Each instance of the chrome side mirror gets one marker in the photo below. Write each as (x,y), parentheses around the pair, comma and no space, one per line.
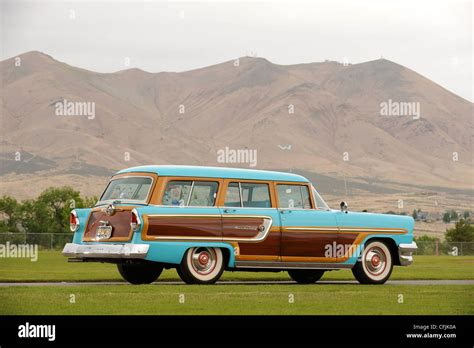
(344,207)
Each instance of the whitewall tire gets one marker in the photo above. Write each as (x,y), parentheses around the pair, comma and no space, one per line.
(201,265)
(375,265)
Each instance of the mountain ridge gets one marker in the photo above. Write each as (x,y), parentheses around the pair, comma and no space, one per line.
(322,109)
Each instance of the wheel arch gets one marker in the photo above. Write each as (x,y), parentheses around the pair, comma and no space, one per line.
(391,244)
(173,252)
(227,252)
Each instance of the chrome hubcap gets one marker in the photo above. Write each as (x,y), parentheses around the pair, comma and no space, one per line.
(203,260)
(375,260)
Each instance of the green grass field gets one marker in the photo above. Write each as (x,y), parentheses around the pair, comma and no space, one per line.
(52,266)
(231,298)
(238,299)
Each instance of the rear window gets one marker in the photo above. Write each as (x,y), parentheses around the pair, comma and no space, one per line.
(129,189)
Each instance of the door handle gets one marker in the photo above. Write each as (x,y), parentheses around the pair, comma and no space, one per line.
(229,210)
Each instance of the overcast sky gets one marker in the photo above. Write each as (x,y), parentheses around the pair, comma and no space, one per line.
(431,37)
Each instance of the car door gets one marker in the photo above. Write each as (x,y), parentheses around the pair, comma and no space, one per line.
(188,210)
(307,234)
(250,220)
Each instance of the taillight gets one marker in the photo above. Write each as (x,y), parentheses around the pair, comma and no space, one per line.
(73,221)
(135,220)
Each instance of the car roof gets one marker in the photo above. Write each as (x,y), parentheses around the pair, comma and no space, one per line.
(215,172)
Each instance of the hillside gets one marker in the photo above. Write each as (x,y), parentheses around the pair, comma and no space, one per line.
(337,116)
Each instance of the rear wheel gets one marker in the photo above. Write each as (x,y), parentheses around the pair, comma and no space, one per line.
(306,276)
(376,264)
(183,276)
(140,273)
(201,265)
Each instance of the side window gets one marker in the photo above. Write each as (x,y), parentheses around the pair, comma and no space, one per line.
(204,193)
(293,196)
(232,196)
(177,193)
(255,195)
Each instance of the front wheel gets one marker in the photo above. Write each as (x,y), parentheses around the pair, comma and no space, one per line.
(376,264)
(306,276)
(140,273)
(201,265)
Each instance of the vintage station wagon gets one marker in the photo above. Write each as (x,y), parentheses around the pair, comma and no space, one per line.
(204,220)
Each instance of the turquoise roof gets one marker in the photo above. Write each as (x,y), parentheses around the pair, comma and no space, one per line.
(216,172)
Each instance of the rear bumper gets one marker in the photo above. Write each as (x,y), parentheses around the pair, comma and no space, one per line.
(106,251)
(405,253)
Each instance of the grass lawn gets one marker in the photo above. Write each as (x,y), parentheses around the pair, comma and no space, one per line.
(230,298)
(238,299)
(52,266)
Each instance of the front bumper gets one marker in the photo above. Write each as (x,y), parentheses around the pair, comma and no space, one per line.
(405,253)
(106,251)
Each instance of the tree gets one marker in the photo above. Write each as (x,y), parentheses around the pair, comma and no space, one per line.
(462,231)
(10,209)
(447,217)
(454,215)
(50,211)
(89,202)
(426,238)
(466,215)
(414,214)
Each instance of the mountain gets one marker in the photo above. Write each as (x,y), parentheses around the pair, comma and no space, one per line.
(321,118)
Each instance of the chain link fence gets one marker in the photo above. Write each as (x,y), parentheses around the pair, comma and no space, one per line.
(445,248)
(53,241)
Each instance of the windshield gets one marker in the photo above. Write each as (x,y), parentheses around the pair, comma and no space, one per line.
(320,203)
(134,188)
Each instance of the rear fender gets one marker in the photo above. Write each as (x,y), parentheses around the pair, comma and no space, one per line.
(173,251)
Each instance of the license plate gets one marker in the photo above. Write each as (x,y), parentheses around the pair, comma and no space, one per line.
(104,232)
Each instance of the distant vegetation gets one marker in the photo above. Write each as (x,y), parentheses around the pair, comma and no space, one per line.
(49,213)
(463,231)
(391,212)
(452,215)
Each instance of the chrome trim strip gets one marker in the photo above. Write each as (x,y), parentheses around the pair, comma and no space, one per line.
(190,192)
(347,229)
(405,253)
(291,265)
(379,230)
(109,251)
(183,215)
(311,229)
(261,235)
(240,193)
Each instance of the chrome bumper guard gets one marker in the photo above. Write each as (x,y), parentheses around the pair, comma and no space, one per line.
(405,253)
(106,251)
